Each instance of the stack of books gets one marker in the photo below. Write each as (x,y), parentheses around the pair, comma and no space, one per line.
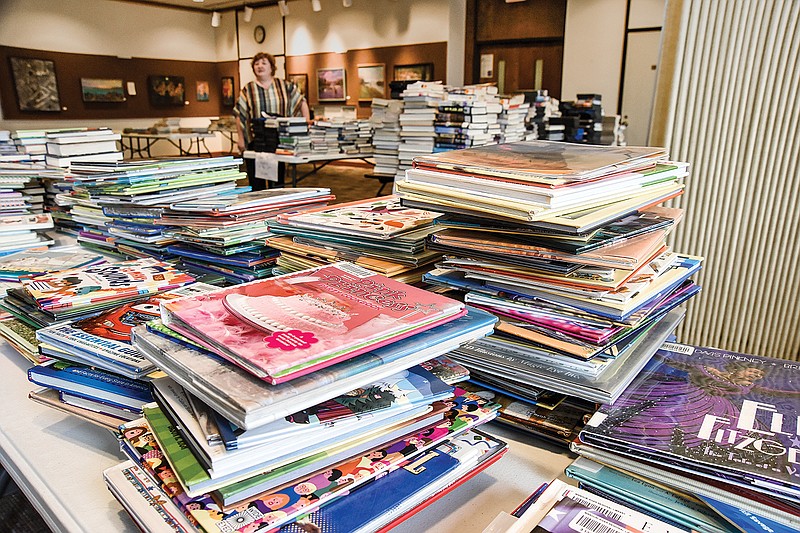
(708,424)
(376,233)
(566,243)
(363,141)
(225,236)
(512,120)
(7,146)
(33,143)
(544,108)
(386,135)
(463,124)
(22,221)
(301,391)
(83,144)
(293,137)
(585,114)
(116,203)
(324,137)
(417,133)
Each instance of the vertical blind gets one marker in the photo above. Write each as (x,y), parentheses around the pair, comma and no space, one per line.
(728,101)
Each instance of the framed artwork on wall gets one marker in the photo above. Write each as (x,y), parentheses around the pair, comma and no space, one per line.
(301,80)
(417,72)
(331,84)
(227,91)
(166,90)
(102,90)
(371,81)
(35,83)
(202,91)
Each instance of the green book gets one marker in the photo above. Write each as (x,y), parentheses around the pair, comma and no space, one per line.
(183,462)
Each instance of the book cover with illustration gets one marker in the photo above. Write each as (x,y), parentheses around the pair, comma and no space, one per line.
(32,262)
(382,218)
(712,412)
(285,327)
(109,281)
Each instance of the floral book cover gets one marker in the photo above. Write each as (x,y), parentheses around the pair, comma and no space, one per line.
(288,326)
(381,218)
(715,412)
(109,281)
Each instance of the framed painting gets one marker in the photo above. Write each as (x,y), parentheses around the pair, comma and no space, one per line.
(35,83)
(301,80)
(102,90)
(202,91)
(331,84)
(166,90)
(371,82)
(228,98)
(417,72)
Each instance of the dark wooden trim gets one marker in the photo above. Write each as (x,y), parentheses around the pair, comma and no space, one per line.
(470,46)
(624,57)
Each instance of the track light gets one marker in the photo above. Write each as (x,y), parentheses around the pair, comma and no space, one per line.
(316,6)
(216,18)
(347,3)
(248,13)
(283,7)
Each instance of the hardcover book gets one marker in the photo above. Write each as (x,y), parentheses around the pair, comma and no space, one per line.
(97,283)
(32,262)
(282,328)
(712,412)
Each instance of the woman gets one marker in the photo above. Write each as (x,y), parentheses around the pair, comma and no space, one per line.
(266,95)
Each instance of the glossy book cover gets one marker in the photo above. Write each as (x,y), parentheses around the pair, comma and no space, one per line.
(712,411)
(287,326)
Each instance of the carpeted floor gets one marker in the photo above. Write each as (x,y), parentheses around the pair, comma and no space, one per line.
(347,182)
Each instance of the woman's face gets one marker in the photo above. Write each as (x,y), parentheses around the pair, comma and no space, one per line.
(262,68)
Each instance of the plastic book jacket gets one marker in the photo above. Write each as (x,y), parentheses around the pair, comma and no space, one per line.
(378,217)
(713,410)
(282,326)
(82,286)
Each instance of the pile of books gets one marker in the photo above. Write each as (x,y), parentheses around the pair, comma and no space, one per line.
(377,233)
(701,424)
(32,143)
(583,119)
(225,236)
(386,135)
(117,203)
(83,144)
(545,108)
(512,120)
(417,133)
(7,146)
(293,137)
(294,392)
(566,244)
(324,137)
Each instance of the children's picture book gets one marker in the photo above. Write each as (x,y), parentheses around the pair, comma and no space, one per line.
(282,328)
(711,412)
(32,262)
(382,218)
(97,283)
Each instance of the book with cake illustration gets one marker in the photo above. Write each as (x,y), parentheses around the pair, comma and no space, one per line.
(286,327)
(109,281)
(381,218)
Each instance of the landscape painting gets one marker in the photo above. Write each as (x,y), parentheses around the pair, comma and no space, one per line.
(420,71)
(102,90)
(330,84)
(371,81)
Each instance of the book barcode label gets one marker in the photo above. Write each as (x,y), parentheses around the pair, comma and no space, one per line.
(678,348)
(355,270)
(594,505)
(587,522)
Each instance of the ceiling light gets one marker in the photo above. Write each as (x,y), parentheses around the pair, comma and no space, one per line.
(248,13)
(315,5)
(284,7)
(347,3)
(198,1)
(216,18)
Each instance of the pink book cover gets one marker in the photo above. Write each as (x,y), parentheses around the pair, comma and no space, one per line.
(284,327)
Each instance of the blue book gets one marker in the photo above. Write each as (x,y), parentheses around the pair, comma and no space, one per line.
(745,520)
(92,384)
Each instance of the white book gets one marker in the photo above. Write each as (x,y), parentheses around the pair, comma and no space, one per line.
(82,148)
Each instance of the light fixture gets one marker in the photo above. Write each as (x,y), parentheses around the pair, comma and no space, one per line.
(198,1)
(347,3)
(283,7)
(216,18)
(316,5)
(248,13)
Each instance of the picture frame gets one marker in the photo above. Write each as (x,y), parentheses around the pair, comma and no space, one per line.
(35,84)
(228,91)
(301,80)
(371,81)
(331,84)
(101,90)
(202,91)
(414,72)
(166,90)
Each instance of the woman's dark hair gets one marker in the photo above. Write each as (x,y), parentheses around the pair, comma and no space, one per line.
(263,55)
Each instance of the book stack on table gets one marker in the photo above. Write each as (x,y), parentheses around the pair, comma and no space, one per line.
(293,137)
(566,244)
(116,202)
(466,117)
(377,233)
(385,121)
(295,392)
(512,120)
(65,147)
(417,133)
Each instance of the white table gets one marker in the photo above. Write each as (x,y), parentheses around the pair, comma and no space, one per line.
(57,461)
(139,144)
(323,159)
